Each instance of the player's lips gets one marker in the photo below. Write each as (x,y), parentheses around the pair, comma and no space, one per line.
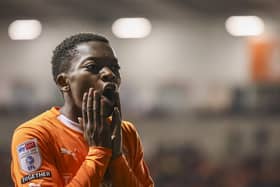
(109,90)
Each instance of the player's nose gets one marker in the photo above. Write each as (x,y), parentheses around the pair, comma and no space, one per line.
(107,75)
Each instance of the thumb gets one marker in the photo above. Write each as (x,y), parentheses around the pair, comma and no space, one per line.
(117,129)
(116,122)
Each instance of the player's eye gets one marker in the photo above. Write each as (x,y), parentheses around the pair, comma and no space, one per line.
(115,68)
(93,68)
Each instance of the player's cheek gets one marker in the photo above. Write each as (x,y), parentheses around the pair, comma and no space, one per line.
(79,86)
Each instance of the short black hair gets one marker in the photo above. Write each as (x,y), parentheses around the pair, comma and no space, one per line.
(66,51)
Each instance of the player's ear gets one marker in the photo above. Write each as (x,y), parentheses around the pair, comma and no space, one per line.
(62,82)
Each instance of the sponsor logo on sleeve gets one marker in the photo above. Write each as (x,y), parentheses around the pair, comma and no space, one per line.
(29,155)
(37,175)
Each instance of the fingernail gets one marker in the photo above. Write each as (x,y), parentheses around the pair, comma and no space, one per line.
(90,91)
(85,94)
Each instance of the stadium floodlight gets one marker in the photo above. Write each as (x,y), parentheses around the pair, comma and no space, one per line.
(25,29)
(131,27)
(244,25)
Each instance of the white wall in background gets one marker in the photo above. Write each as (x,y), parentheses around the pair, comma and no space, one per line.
(195,52)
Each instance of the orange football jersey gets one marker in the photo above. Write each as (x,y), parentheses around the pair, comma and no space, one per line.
(49,151)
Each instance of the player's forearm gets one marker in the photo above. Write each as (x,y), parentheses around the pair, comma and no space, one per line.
(124,176)
(93,168)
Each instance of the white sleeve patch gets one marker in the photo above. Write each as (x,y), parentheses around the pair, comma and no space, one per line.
(34,185)
(29,155)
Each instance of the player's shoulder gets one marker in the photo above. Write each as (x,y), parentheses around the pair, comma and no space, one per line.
(37,125)
(128,127)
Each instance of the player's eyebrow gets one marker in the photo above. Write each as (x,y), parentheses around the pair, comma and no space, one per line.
(96,59)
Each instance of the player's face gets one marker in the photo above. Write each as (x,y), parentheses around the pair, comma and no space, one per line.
(95,66)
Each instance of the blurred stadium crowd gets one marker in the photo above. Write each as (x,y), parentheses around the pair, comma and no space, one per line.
(188,166)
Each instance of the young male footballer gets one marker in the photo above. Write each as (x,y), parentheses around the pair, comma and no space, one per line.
(83,143)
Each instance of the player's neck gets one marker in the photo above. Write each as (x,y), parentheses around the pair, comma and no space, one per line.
(70,113)
(70,110)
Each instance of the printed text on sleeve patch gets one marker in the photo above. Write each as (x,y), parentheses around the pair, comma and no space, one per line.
(29,155)
(37,175)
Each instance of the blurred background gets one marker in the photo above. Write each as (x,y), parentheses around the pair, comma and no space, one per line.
(200,79)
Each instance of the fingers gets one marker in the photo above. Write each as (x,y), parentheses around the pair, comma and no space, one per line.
(90,112)
(84,113)
(96,109)
(104,127)
(116,116)
(117,101)
(97,130)
(116,134)
(84,107)
(90,106)
(116,121)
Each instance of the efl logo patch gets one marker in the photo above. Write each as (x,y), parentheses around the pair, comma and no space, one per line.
(29,155)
